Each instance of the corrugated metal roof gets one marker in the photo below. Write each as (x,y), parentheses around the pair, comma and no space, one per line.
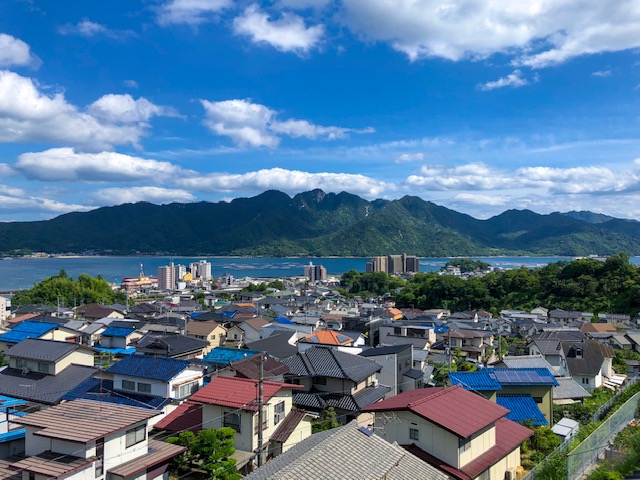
(47,350)
(568,388)
(496,378)
(186,416)
(147,366)
(53,464)
(159,452)
(453,408)
(522,409)
(102,390)
(120,332)
(84,420)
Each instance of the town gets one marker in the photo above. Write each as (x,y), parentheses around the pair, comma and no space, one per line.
(199,377)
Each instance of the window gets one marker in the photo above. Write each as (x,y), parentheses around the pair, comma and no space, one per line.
(585,380)
(232,420)
(21,363)
(213,337)
(128,385)
(144,387)
(43,367)
(320,380)
(278,413)
(136,435)
(413,434)
(265,420)
(99,457)
(464,444)
(186,389)
(537,399)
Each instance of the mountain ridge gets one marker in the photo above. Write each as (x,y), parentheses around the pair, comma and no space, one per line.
(316,223)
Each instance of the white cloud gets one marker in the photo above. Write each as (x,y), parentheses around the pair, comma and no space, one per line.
(409,157)
(15,53)
(123,108)
(514,79)
(65,164)
(288,34)
(130,83)
(602,73)
(539,33)
(190,12)
(19,203)
(472,176)
(157,195)
(290,181)
(579,179)
(481,199)
(28,115)
(254,125)
(87,28)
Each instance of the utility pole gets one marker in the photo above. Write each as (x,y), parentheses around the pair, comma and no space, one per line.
(260,410)
(449,345)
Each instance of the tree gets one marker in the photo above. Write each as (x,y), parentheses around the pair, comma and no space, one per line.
(327,421)
(209,450)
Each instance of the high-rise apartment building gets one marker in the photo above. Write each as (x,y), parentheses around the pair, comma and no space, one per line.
(200,270)
(394,264)
(166,277)
(315,273)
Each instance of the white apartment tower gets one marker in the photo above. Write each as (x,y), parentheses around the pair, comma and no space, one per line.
(201,270)
(167,277)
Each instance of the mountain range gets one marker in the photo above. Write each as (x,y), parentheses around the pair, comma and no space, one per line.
(316,223)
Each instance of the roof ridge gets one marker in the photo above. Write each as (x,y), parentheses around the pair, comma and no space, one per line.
(432,396)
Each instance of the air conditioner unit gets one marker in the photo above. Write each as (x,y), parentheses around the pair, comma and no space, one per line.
(25,370)
(374,382)
(510,474)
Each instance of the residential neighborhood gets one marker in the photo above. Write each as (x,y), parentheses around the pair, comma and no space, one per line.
(296,377)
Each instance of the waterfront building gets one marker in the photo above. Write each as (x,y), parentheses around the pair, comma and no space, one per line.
(394,264)
(315,273)
(200,270)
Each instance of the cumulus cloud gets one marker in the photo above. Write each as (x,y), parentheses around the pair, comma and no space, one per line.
(123,108)
(514,79)
(15,53)
(302,4)
(66,164)
(472,176)
(579,179)
(602,73)
(540,33)
(254,125)
(190,12)
(481,199)
(22,203)
(290,181)
(28,115)
(409,157)
(157,195)
(87,28)
(288,34)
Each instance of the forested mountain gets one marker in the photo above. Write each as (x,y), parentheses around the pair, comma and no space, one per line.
(318,223)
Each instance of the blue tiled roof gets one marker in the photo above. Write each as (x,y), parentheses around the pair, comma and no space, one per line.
(10,401)
(523,409)
(26,330)
(226,355)
(12,435)
(103,391)
(496,378)
(146,366)
(118,332)
(474,380)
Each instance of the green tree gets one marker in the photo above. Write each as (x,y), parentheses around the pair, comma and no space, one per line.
(326,421)
(209,450)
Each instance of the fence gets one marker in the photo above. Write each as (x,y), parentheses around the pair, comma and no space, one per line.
(602,411)
(587,453)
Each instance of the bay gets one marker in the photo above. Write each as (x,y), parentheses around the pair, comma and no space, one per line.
(21,273)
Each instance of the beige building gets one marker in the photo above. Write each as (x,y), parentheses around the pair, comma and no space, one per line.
(212,332)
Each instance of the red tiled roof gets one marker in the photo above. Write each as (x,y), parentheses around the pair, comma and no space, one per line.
(159,452)
(238,392)
(461,412)
(509,435)
(187,416)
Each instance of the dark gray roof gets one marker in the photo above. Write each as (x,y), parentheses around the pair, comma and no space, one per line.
(169,345)
(350,453)
(585,358)
(341,401)
(414,373)
(327,362)
(46,350)
(385,350)
(43,388)
(276,345)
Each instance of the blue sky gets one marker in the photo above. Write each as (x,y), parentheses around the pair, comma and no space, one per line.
(477,105)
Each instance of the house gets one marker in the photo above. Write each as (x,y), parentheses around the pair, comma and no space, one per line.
(474,344)
(350,453)
(249,367)
(11,434)
(280,344)
(213,332)
(568,391)
(171,345)
(397,368)
(456,431)
(34,329)
(95,311)
(331,378)
(251,328)
(119,337)
(527,392)
(42,371)
(233,402)
(221,357)
(589,362)
(83,439)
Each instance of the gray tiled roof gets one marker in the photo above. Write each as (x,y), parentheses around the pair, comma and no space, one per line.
(346,453)
(276,345)
(43,388)
(350,403)
(327,362)
(384,350)
(526,361)
(568,388)
(45,350)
